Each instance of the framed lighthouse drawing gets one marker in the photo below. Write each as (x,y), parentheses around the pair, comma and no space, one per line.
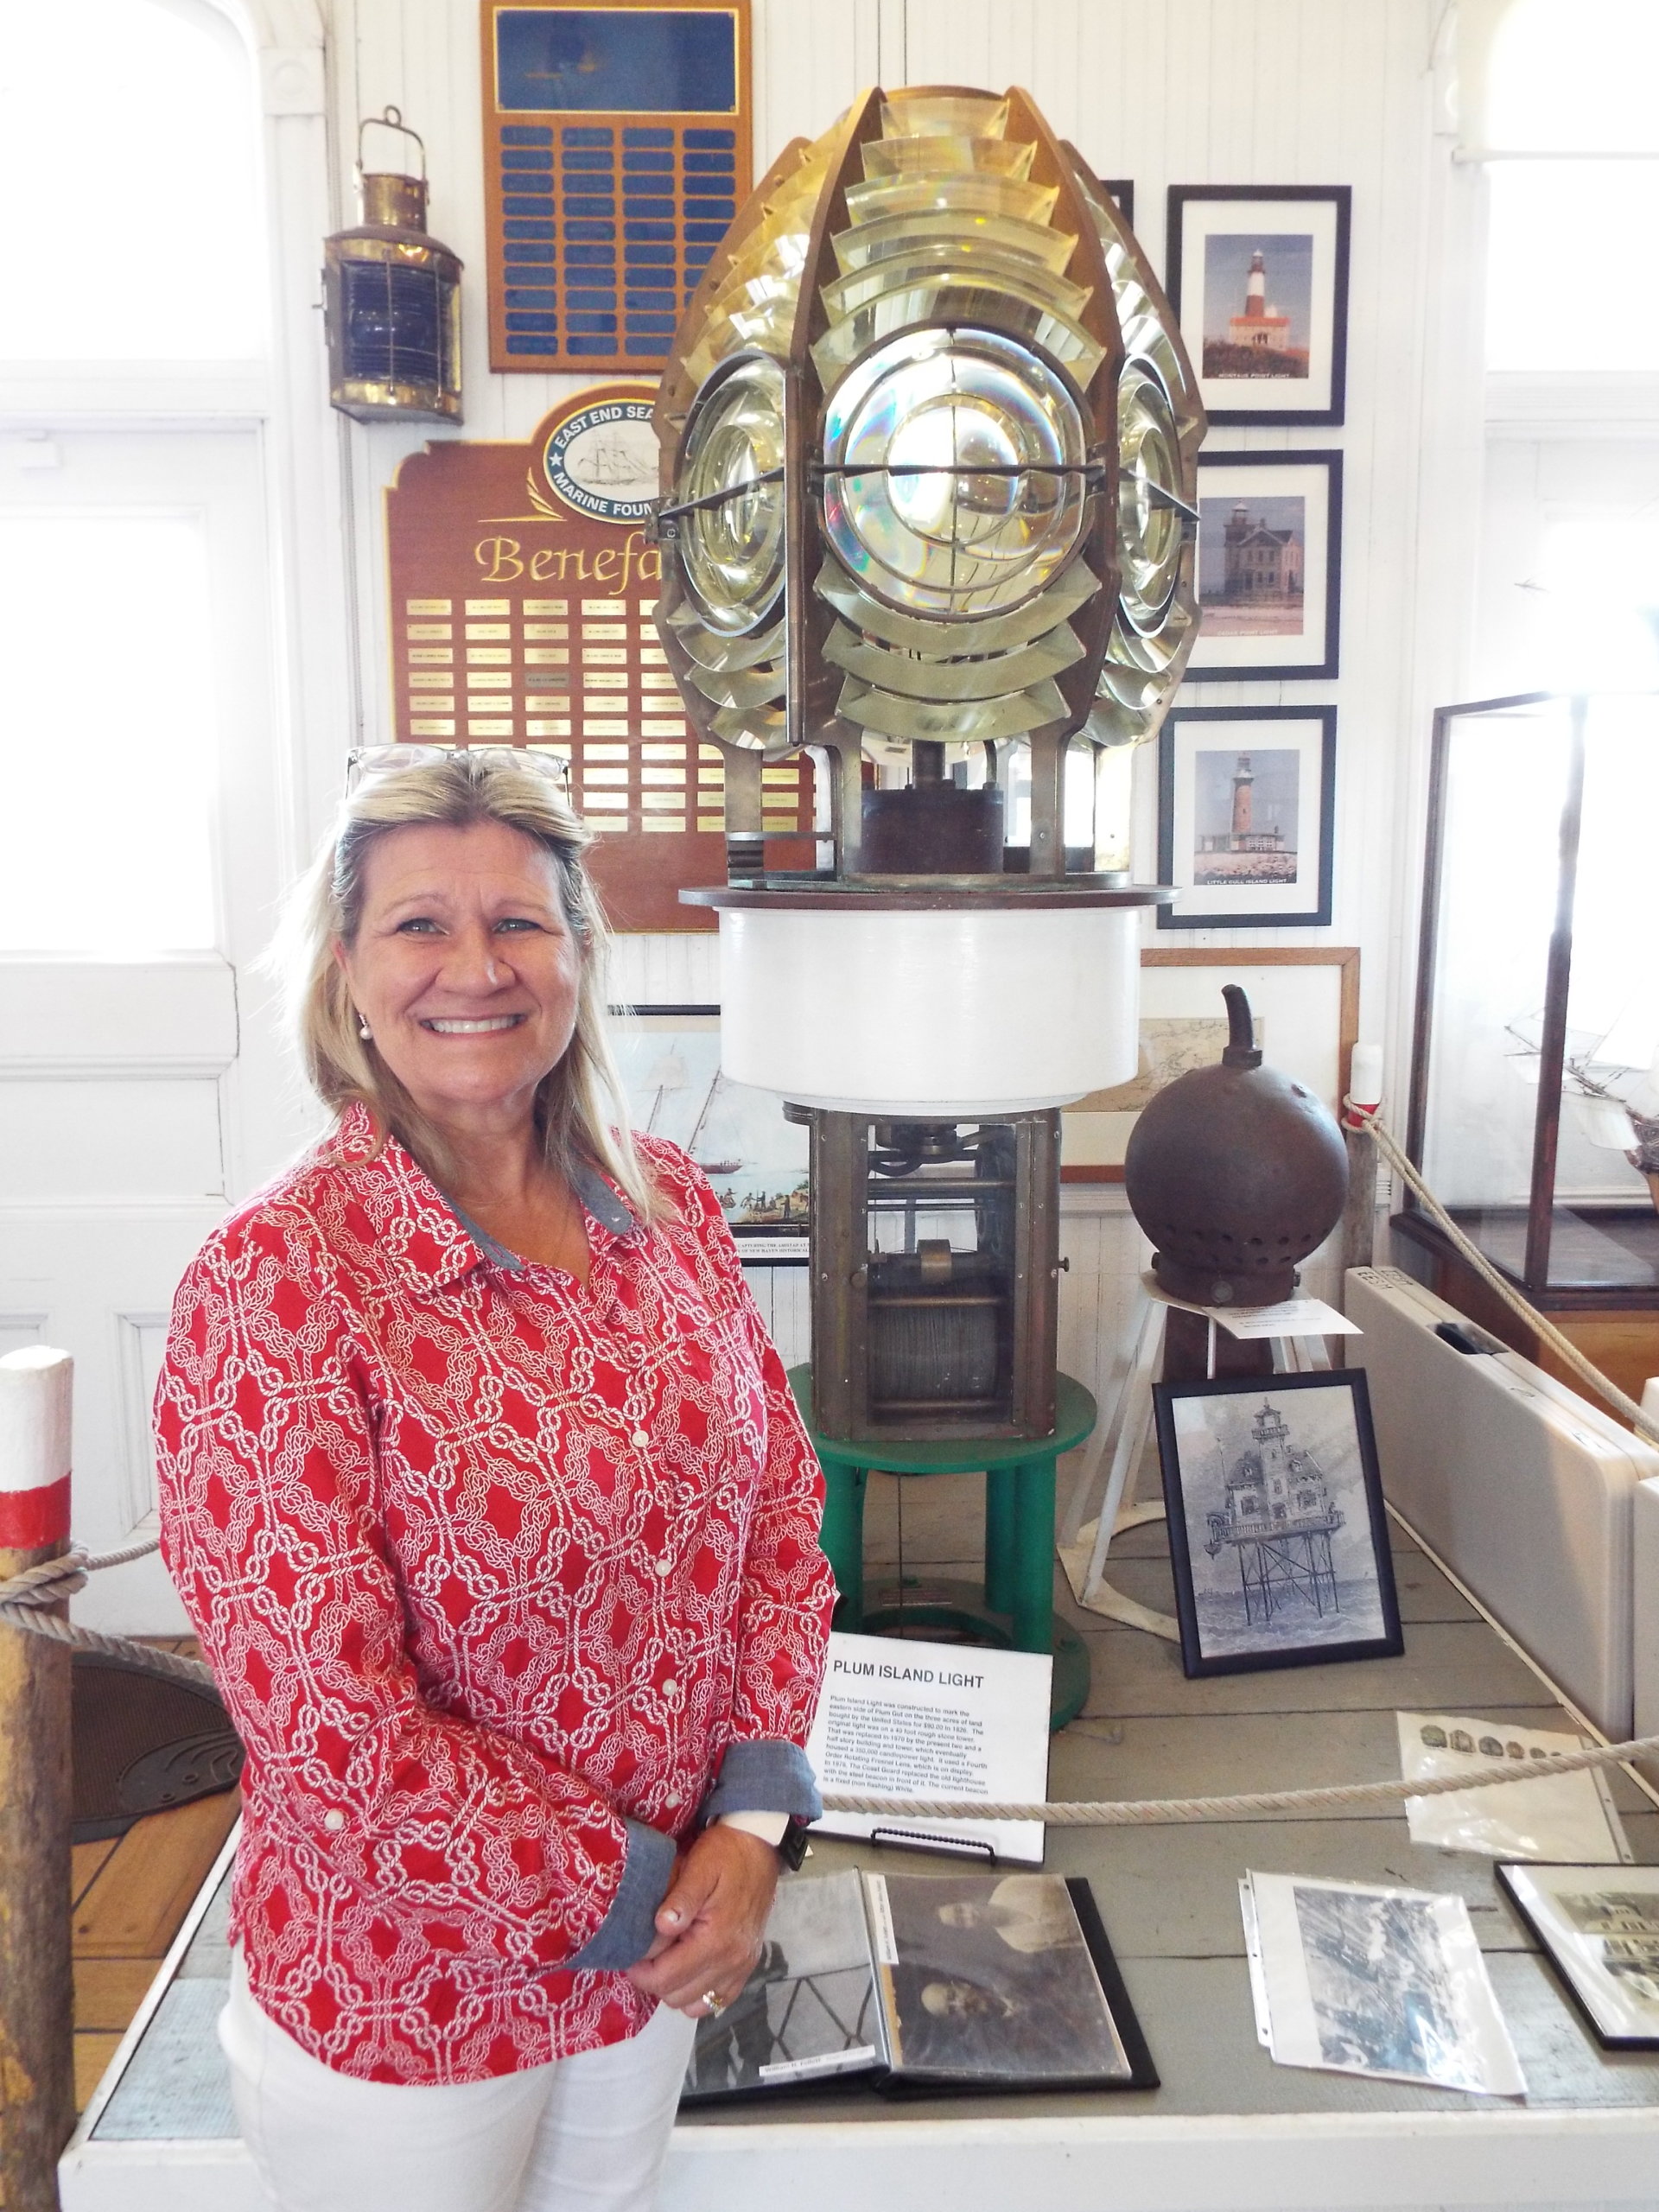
(1258,278)
(1277,1533)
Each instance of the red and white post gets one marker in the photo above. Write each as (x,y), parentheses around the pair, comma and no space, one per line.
(37,2089)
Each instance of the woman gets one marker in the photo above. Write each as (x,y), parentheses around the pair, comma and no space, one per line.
(485,1489)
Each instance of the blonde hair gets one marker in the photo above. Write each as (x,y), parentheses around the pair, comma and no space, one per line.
(579,1107)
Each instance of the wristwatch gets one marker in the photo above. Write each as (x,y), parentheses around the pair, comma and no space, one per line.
(792,1845)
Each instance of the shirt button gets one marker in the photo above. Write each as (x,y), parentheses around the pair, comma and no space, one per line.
(663,1568)
(673,1799)
(670,1687)
(334,1820)
(640,1440)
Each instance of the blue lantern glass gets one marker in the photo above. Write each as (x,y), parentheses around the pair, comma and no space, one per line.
(392,296)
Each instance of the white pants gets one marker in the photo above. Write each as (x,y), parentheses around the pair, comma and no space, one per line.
(584,2134)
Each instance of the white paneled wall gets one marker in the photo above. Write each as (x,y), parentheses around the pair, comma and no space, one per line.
(1165,92)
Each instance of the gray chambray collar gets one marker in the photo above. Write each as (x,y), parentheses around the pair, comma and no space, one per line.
(610,1211)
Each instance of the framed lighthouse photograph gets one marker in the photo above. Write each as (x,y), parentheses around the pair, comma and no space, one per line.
(1277,1533)
(1258,278)
(1269,566)
(1245,817)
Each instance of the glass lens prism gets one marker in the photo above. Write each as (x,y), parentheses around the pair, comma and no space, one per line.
(930,157)
(970,190)
(732,549)
(908,234)
(955,415)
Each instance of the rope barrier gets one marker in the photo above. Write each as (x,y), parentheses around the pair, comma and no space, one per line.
(1565,1350)
(24,1597)
(1168,1812)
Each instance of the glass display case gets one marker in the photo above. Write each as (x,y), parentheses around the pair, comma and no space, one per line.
(1534,1090)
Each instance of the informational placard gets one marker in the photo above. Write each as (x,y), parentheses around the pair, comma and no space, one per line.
(616,150)
(942,1720)
(523,590)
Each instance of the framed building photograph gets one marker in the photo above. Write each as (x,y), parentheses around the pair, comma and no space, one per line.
(1598,1926)
(669,1059)
(1269,566)
(1258,278)
(1277,1533)
(1246,814)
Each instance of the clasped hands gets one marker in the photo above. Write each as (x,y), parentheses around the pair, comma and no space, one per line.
(710,1924)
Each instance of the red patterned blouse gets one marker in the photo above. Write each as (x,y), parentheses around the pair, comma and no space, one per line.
(489,1567)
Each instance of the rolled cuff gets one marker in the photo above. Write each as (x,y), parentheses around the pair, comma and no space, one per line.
(628,1929)
(772,1775)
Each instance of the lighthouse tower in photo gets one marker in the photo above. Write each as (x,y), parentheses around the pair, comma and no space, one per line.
(1261,328)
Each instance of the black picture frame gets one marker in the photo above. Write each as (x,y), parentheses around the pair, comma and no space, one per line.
(1121,189)
(1314,477)
(1204,906)
(1302,1580)
(1586,1985)
(1327,212)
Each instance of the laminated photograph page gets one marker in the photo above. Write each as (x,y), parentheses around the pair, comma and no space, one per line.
(912,1981)
(808,2011)
(945,1720)
(1383,1983)
(1556,1817)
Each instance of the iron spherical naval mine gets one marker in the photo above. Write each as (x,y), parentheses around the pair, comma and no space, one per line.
(1236,1173)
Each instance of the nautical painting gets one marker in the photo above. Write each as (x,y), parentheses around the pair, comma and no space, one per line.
(756,1160)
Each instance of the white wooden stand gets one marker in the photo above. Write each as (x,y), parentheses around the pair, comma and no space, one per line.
(1299,1348)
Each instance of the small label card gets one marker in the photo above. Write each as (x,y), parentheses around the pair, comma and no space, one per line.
(942,1720)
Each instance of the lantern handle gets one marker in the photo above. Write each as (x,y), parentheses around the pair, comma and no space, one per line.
(390,119)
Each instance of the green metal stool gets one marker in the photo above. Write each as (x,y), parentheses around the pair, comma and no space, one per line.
(1015,1612)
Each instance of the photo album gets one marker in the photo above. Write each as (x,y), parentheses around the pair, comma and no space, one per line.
(926,1984)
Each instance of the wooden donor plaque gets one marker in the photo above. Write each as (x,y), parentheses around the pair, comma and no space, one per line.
(522,589)
(616,151)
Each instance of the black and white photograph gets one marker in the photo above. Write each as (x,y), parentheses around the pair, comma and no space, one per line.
(809,2011)
(1258,278)
(669,1059)
(1269,566)
(1001,1979)
(1277,1532)
(1246,816)
(1600,1930)
(1380,1981)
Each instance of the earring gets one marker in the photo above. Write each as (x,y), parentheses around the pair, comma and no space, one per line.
(363,1029)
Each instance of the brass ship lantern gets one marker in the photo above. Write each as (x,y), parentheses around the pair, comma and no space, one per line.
(391,301)
(929,439)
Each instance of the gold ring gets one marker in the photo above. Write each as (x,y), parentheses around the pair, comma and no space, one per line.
(713,2002)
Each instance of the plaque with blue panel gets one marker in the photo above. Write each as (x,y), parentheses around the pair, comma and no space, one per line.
(617,151)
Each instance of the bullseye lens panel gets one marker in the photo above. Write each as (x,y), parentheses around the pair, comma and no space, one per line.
(926,500)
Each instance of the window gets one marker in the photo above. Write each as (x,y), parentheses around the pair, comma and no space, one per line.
(108,752)
(134,185)
(1569,286)
(130,144)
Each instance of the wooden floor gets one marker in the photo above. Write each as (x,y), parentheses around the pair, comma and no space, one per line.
(128,1896)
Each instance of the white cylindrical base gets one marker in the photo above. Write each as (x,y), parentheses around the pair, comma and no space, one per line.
(930,1013)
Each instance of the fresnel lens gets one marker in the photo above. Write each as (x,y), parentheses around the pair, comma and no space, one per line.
(929,497)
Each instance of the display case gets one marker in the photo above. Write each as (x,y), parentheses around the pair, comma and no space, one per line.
(1535,1082)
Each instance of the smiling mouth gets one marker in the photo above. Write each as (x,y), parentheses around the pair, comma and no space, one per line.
(478,1028)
